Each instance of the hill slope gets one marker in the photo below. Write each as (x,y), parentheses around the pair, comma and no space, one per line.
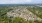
(22,12)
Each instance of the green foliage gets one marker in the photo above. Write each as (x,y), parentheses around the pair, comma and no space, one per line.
(36,10)
(36,21)
(4,10)
(3,16)
(5,19)
(19,20)
(15,20)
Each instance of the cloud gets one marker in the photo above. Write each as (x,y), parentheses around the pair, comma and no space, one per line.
(19,1)
(14,1)
(37,1)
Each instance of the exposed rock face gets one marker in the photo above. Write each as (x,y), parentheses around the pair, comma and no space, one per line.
(23,13)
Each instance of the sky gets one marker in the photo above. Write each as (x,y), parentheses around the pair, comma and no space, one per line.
(20,1)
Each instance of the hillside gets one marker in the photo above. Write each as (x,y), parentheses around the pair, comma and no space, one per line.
(23,12)
(20,14)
